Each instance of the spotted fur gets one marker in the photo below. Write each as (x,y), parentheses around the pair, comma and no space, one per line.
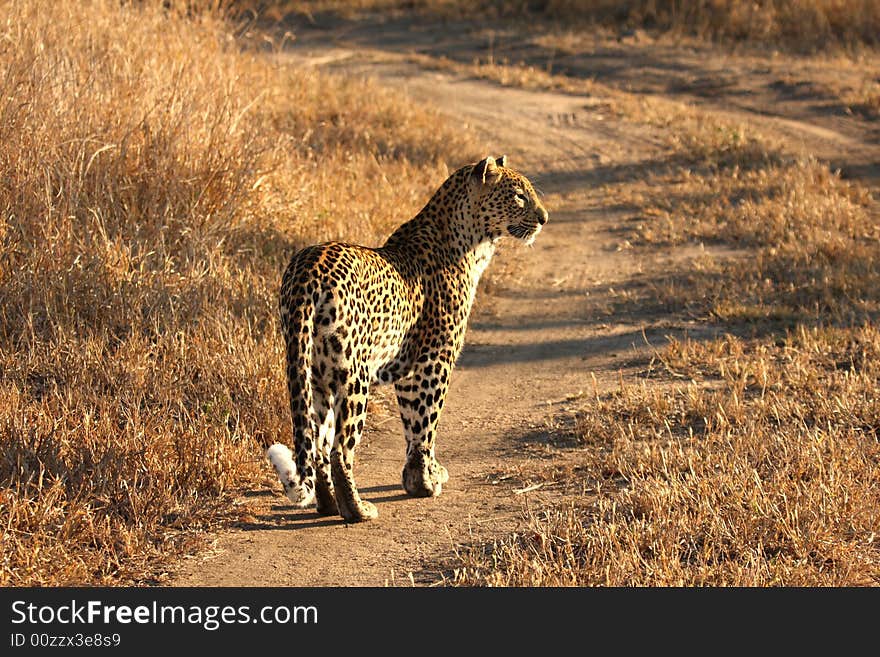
(353,317)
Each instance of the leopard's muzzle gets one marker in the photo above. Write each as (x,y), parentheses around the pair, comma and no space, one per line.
(527,230)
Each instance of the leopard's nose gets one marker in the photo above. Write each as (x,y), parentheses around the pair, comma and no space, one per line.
(542,216)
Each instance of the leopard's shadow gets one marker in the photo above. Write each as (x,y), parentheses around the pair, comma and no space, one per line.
(283,517)
(289,521)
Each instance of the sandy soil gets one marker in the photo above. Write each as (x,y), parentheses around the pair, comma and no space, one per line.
(541,339)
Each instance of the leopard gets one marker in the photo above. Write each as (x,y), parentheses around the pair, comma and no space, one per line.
(354,317)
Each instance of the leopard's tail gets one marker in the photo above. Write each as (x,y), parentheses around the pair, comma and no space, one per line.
(297,469)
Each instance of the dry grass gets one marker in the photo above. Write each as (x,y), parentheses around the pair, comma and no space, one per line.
(864,100)
(748,459)
(798,23)
(761,471)
(156,177)
(804,25)
(812,239)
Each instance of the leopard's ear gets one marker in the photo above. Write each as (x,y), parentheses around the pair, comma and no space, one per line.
(486,171)
(501,161)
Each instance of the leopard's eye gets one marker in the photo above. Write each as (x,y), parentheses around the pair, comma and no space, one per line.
(520,197)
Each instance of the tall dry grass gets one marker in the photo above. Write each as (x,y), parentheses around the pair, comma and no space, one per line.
(155,176)
(799,24)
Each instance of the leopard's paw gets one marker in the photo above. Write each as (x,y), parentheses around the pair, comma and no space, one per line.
(424,478)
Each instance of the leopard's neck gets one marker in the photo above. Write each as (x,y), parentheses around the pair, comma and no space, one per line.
(443,235)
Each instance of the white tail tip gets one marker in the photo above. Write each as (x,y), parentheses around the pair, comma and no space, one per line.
(281,459)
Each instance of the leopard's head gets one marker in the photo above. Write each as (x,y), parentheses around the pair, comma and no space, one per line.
(504,201)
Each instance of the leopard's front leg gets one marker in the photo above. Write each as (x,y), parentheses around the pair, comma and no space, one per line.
(421,396)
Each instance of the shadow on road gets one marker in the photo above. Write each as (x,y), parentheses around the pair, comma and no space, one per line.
(286,518)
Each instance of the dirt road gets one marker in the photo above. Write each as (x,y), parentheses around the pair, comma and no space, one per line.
(538,342)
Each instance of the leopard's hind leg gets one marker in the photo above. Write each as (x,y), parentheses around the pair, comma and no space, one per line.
(325,497)
(351,412)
